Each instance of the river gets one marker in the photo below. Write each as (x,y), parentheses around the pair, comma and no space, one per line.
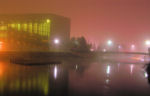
(74,78)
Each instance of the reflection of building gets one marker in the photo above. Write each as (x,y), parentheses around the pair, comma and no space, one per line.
(33,80)
(33,32)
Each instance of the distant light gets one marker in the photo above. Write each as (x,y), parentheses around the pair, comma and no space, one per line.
(104,50)
(76,67)
(119,46)
(107,81)
(109,42)
(145,75)
(147,42)
(132,46)
(108,69)
(56,41)
(92,49)
(142,59)
(48,21)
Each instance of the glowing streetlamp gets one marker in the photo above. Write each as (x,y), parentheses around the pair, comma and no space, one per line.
(109,42)
(48,20)
(132,47)
(147,42)
(56,41)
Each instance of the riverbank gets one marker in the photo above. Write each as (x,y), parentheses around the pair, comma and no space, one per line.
(30,58)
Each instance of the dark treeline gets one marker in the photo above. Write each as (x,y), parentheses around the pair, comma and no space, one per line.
(79,45)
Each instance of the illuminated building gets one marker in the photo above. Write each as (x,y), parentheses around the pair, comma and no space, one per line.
(34,32)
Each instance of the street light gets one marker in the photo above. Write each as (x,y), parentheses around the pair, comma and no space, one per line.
(109,42)
(147,42)
(48,20)
(56,41)
(132,47)
(119,46)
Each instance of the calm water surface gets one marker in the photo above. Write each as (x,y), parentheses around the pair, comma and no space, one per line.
(74,79)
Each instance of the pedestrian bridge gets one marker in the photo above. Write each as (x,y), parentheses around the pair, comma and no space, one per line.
(127,53)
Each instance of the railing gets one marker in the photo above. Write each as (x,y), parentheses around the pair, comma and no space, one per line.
(130,53)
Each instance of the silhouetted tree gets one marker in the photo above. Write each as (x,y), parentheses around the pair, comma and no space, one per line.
(79,45)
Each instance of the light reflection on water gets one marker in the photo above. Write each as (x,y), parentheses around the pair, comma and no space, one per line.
(74,79)
(55,72)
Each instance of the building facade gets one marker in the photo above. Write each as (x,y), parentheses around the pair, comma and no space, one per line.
(34,32)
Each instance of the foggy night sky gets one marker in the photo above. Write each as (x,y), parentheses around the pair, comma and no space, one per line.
(124,21)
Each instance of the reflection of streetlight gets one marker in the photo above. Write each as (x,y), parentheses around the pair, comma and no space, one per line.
(56,41)
(145,75)
(107,81)
(92,49)
(104,50)
(1,44)
(76,67)
(108,70)
(55,72)
(109,42)
(131,69)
